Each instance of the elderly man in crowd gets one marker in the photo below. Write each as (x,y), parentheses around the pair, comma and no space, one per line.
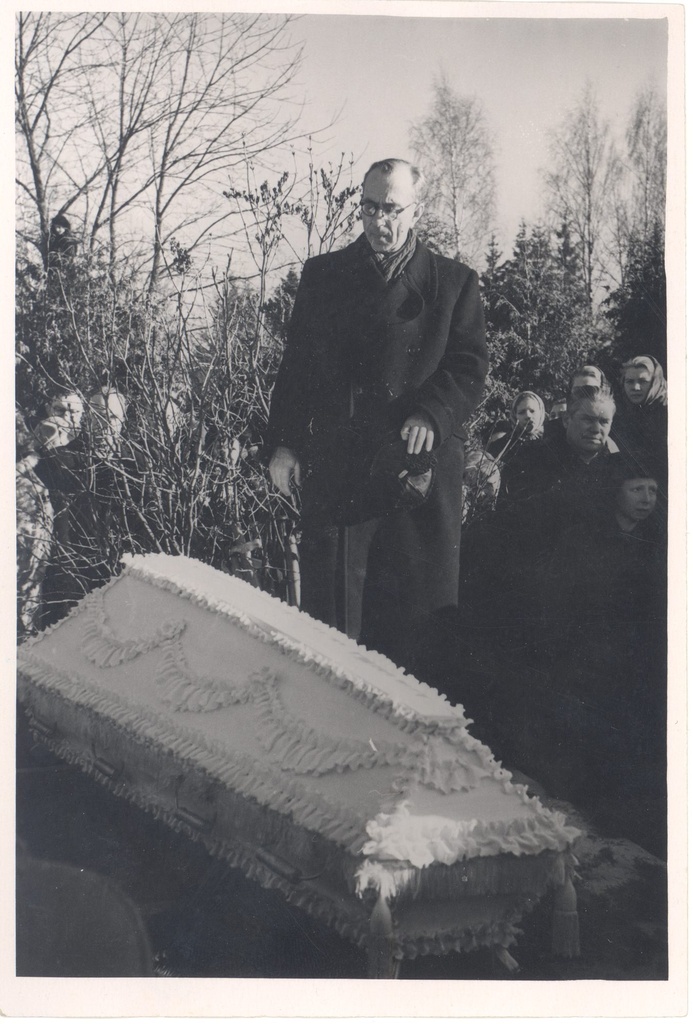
(576,453)
(385,360)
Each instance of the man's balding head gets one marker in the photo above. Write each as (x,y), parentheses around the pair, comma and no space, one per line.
(395,165)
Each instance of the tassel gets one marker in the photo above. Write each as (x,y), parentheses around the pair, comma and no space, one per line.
(381,942)
(508,961)
(565,938)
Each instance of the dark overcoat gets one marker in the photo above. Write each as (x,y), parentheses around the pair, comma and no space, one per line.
(362,354)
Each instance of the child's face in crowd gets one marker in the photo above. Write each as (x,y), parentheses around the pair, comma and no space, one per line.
(637,498)
(588,426)
(528,415)
(637,383)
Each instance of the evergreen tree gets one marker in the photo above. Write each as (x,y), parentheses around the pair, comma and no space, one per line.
(637,308)
(539,321)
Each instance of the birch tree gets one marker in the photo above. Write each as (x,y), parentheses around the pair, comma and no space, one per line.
(581,185)
(134,121)
(452,146)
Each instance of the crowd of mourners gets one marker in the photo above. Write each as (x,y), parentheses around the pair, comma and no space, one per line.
(73,469)
(558,647)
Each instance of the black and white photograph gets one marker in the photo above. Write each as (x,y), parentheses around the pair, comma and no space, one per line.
(349,430)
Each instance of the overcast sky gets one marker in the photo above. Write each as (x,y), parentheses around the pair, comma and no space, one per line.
(375,75)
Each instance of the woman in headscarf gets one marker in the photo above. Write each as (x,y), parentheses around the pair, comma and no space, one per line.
(640,426)
(525,423)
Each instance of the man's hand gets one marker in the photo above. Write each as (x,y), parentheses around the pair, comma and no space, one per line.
(418,432)
(284,469)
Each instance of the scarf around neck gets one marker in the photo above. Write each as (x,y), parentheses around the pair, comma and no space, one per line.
(391,264)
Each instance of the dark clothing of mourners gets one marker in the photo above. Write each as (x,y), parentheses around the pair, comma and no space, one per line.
(503,439)
(503,566)
(506,443)
(599,721)
(371,342)
(98,499)
(640,431)
(539,467)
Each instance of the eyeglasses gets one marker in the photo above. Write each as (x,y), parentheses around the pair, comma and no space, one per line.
(389,210)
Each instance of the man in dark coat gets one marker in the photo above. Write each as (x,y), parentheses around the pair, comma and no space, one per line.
(385,360)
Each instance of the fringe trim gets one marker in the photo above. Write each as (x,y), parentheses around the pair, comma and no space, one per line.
(237,772)
(445,774)
(350,925)
(251,778)
(349,918)
(184,690)
(296,746)
(404,717)
(452,729)
(490,934)
(503,875)
(73,612)
(299,748)
(423,840)
(390,838)
(104,649)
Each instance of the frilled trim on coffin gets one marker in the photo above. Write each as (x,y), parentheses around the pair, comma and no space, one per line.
(427,839)
(239,772)
(334,913)
(442,777)
(503,875)
(72,613)
(184,690)
(104,649)
(446,774)
(482,936)
(349,919)
(454,728)
(294,745)
(299,748)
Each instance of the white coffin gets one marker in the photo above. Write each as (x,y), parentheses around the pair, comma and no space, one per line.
(316,766)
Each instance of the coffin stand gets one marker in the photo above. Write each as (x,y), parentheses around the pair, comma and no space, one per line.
(316,767)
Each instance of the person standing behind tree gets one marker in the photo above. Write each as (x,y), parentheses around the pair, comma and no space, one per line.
(525,423)
(385,360)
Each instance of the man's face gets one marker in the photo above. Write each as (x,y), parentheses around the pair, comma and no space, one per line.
(588,426)
(394,192)
(637,498)
(636,384)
